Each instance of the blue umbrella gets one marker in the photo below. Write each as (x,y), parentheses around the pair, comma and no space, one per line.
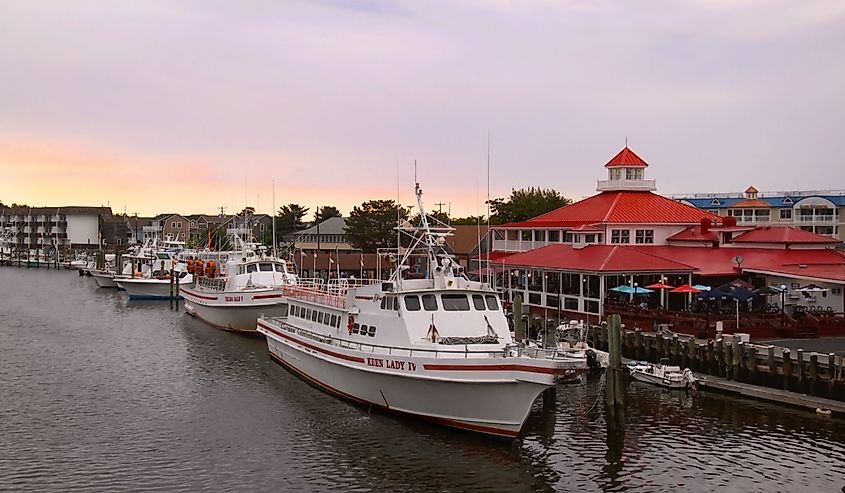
(639,290)
(742,294)
(702,287)
(624,288)
(713,294)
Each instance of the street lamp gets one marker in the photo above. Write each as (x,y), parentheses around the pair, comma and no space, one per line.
(782,304)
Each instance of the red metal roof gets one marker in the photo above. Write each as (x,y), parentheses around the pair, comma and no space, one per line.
(782,234)
(594,258)
(493,256)
(720,261)
(693,233)
(618,207)
(748,203)
(826,272)
(626,157)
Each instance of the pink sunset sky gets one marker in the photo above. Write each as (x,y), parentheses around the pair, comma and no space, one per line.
(165,106)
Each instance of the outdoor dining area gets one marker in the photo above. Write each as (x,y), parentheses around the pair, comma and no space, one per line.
(763,312)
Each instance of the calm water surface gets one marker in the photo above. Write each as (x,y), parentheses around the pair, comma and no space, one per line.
(101,394)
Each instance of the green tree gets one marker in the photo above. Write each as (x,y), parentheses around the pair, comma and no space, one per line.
(247,210)
(290,219)
(469,220)
(326,212)
(526,203)
(371,226)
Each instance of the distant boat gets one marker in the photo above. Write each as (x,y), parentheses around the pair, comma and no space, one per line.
(661,374)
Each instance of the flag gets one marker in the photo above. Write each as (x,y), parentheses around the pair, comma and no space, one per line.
(362,260)
(331,260)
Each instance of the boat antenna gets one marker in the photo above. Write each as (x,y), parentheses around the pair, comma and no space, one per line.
(273,217)
(488,211)
(399,222)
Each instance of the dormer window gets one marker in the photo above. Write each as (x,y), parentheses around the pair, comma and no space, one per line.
(615,174)
(715,202)
(787,201)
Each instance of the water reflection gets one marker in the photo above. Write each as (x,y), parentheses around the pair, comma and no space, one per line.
(103,394)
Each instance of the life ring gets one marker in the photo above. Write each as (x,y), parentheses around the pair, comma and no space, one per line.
(350,324)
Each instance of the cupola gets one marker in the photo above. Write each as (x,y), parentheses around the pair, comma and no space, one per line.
(626,172)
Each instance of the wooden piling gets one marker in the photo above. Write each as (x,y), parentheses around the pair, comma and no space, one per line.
(692,354)
(720,357)
(814,373)
(676,350)
(518,324)
(773,368)
(752,364)
(799,366)
(787,370)
(614,369)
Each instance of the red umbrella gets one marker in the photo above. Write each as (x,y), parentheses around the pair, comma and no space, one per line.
(660,285)
(686,288)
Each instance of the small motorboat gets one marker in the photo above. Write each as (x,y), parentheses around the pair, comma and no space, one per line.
(662,374)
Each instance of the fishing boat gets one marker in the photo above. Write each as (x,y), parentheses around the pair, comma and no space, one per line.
(152,278)
(662,374)
(572,337)
(427,343)
(232,289)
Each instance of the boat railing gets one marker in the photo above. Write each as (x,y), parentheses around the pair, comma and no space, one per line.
(212,283)
(508,351)
(316,291)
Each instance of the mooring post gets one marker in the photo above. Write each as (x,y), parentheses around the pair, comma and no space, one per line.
(773,369)
(638,343)
(518,327)
(814,373)
(711,358)
(614,369)
(752,364)
(831,373)
(720,357)
(787,369)
(799,365)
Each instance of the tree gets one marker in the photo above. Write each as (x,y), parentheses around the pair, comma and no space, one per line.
(525,203)
(290,218)
(371,226)
(469,220)
(326,212)
(247,210)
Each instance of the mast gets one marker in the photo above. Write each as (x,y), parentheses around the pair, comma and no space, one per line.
(274,219)
(487,253)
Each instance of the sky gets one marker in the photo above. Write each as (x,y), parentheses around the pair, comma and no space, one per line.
(187,106)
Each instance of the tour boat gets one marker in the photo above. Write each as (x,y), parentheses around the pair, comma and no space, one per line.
(662,374)
(151,278)
(232,297)
(427,343)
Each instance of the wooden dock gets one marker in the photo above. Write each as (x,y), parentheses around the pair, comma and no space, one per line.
(708,382)
(740,367)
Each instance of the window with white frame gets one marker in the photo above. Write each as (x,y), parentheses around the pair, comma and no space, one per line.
(644,236)
(620,236)
(786,213)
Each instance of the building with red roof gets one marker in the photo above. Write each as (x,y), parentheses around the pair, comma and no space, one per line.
(568,260)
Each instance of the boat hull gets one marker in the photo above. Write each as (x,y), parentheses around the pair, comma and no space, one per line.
(669,383)
(491,399)
(149,289)
(104,279)
(234,311)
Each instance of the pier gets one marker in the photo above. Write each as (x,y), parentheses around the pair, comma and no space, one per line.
(790,376)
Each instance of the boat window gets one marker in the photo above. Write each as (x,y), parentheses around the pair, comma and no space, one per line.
(314,315)
(320,317)
(265,267)
(429,302)
(334,321)
(363,330)
(338,322)
(412,303)
(372,331)
(478,302)
(455,302)
(307,313)
(384,303)
(355,328)
(396,303)
(492,302)
(251,268)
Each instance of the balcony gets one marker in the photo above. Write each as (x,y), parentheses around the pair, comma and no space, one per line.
(817,218)
(753,220)
(627,185)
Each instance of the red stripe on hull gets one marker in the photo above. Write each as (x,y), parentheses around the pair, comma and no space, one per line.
(533,369)
(266,296)
(487,430)
(346,357)
(195,295)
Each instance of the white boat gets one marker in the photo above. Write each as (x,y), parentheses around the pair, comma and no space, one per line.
(572,337)
(661,374)
(232,297)
(151,279)
(436,347)
(104,277)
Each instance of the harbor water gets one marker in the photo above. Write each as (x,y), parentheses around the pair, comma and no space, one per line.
(98,393)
